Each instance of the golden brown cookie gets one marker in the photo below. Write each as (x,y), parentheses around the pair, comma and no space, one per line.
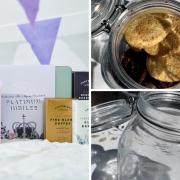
(151,30)
(171,44)
(165,68)
(153,50)
(132,36)
(160,15)
(172,19)
(176,28)
(146,31)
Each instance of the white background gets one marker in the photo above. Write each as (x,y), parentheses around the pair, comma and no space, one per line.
(71,48)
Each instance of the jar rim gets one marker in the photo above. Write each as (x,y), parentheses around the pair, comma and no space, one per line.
(110,114)
(160,116)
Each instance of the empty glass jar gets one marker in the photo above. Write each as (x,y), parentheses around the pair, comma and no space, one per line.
(149,148)
(108,121)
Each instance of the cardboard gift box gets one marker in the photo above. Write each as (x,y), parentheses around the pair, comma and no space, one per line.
(80,121)
(23,91)
(58,113)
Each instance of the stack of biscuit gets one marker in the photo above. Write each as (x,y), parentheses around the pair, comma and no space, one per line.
(158,34)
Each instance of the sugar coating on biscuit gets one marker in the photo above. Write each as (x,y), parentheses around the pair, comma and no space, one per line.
(132,36)
(153,50)
(165,68)
(151,31)
(171,44)
(146,31)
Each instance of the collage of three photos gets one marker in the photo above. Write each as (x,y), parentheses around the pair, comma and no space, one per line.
(90,90)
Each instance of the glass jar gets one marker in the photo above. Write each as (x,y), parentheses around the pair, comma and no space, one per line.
(101,10)
(149,148)
(103,14)
(108,122)
(113,49)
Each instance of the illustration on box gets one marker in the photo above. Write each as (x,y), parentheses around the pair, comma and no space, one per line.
(22,117)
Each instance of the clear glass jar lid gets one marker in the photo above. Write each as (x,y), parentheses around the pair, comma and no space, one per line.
(111,114)
(101,10)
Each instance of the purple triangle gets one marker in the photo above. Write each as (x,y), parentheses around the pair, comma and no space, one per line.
(31,8)
(42,36)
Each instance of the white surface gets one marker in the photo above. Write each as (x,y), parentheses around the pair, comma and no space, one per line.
(12,12)
(71,48)
(41,160)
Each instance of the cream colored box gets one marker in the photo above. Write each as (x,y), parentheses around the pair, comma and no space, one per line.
(81,121)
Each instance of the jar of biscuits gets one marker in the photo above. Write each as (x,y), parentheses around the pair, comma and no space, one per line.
(143,48)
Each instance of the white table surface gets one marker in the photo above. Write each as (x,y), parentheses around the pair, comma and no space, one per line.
(42,160)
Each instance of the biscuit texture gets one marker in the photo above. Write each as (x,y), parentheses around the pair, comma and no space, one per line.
(171,44)
(146,31)
(165,68)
